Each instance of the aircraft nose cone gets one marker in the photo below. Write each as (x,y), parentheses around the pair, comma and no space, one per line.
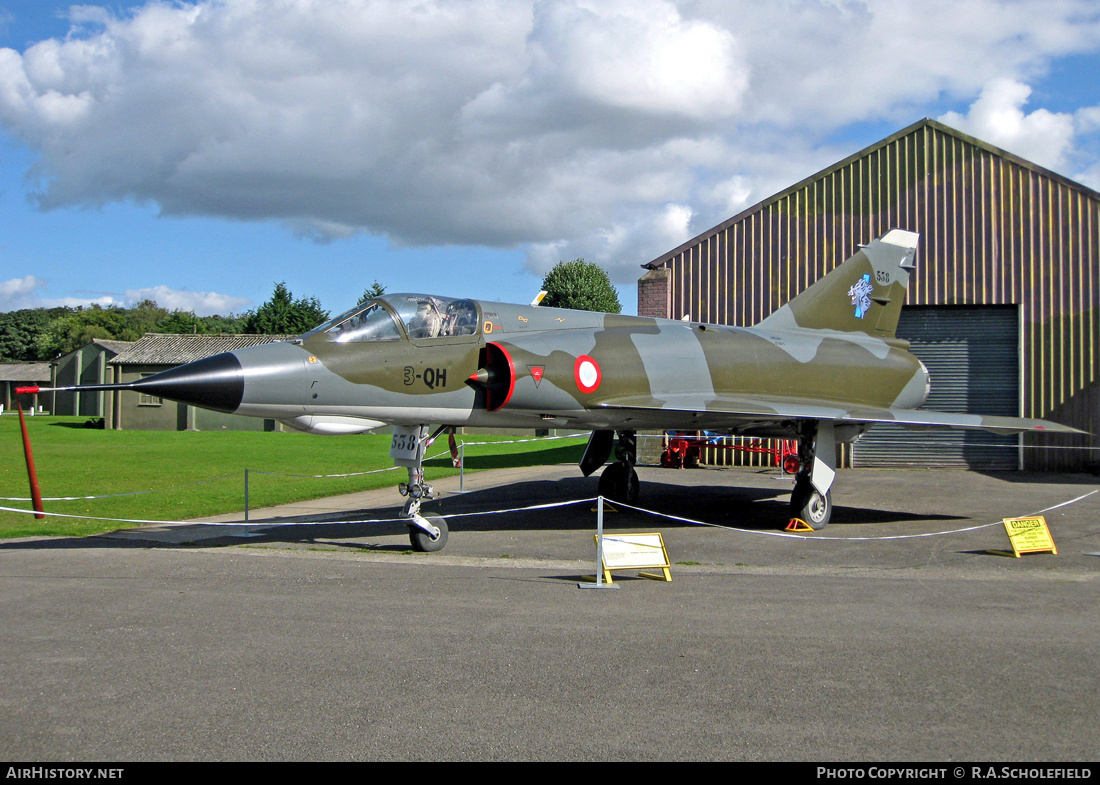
(212,383)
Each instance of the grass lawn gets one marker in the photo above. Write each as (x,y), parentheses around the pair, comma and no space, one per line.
(193,474)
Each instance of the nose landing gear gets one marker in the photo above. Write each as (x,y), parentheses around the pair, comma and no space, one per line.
(426,533)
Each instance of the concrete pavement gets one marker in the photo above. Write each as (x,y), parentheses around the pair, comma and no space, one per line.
(311,639)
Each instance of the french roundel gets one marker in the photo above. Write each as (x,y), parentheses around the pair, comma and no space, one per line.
(587,373)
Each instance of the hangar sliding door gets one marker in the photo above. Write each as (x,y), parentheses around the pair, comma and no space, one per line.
(972,355)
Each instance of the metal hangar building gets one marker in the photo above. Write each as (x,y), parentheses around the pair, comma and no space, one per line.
(1003,306)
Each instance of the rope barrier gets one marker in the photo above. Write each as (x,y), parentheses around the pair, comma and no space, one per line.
(552,505)
(846,539)
(115,495)
(261,525)
(281,474)
(535,439)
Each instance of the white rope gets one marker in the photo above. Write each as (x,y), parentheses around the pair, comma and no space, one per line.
(535,439)
(262,525)
(113,495)
(846,539)
(443,454)
(549,505)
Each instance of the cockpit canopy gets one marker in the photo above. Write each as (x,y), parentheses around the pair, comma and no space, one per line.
(419,316)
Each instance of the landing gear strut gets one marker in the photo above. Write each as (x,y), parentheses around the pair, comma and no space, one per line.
(429,533)
(812,499)
(619,481)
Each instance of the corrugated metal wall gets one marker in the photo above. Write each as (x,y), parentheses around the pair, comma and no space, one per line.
(995,229)
(972,353)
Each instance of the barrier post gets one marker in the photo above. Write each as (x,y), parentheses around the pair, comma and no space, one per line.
(599,584)
(32,475)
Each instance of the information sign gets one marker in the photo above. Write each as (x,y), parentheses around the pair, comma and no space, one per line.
(1029,535)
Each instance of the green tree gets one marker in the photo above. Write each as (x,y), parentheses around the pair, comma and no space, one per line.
(374,290)
(145,317)
(222,324)
(80,327)
(186,322)
(181,323)
(581,285)
(20,331)
(282,314)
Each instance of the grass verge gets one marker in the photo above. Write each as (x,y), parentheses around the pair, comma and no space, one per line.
(172,475)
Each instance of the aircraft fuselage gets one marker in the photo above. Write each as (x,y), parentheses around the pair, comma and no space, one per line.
(545,367)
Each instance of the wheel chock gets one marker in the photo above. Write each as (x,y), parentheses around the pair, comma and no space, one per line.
(798,525)
(607,507)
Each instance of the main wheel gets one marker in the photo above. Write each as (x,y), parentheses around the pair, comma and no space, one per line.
(423,542)
(810,505)
(620,483)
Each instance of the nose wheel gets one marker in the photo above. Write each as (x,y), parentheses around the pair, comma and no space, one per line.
(428,534)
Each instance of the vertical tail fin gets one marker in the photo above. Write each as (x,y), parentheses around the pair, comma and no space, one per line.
(864,294)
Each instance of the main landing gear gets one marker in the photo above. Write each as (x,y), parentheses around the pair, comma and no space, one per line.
(812,499)
(811,505)
(426,533)
(619,481)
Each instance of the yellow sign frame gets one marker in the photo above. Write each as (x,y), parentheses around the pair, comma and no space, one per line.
(1029,535)
(635,552)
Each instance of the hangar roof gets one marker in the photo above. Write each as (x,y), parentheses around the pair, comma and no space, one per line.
(24,372)
(172,349)
(111,346)
(665,258)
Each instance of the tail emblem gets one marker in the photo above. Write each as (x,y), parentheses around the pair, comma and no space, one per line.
(861,295)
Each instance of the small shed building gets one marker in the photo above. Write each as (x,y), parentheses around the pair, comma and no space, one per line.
(156,352)
(22,374)
(86,365)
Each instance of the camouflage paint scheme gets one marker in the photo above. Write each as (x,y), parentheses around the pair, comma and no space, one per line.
(814,359)
(822,369)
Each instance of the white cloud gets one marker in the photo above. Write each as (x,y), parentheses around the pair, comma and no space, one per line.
(638,55)
(1088,119)
(201,303)
(997,117)
(616,247)
(585,126)
(19,293)
(731,195)
(1090,176)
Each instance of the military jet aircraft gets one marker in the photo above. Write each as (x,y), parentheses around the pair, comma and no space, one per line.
(821,370)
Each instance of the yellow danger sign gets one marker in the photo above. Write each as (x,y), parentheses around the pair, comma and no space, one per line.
(1029,535)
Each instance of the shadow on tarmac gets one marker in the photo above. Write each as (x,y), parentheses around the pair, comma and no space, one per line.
(754,508)
(1047,478)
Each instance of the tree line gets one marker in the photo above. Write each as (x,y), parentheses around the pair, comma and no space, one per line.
(36,334)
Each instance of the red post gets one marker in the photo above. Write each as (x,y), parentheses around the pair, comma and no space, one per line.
(36,495)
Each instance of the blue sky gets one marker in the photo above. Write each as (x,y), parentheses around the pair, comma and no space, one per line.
(197,153)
